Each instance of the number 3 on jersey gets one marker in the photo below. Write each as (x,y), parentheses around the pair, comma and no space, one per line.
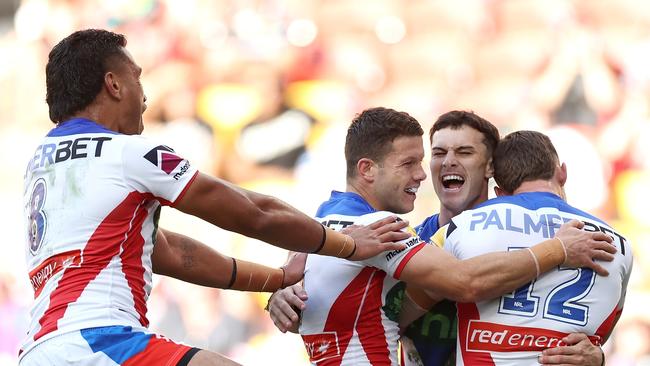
(562,303)
(37,220)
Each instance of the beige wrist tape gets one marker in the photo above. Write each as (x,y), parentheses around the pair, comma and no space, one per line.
(336,244)
(254,277)
(548,254)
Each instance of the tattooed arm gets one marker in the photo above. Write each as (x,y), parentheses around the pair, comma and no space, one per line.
(189,260)
(186,259)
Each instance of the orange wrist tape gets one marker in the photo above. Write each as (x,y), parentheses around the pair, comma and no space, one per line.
(549,253)
(336,244)
(254,277)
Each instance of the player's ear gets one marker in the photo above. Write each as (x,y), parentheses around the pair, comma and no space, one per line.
(112,85)
(489,169)
(561,174)
(500,192)
(366,168)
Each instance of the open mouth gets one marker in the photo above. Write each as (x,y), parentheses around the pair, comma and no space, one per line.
(411,190)
(452,181)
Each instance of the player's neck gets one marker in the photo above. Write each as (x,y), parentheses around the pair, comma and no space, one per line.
(445,216)
(364,192)
(96,114)
(549,186)
(446,213)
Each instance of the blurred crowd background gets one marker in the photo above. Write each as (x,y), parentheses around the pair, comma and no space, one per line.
(261,92)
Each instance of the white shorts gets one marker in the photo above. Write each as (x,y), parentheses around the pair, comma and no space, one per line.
(108,346)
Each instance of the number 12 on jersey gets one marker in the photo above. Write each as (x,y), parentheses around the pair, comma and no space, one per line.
(562,303)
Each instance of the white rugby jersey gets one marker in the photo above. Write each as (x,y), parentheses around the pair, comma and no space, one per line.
(514,328)
(350,318)
(92,199)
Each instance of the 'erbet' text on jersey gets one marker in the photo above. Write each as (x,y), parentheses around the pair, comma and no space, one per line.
(80,147)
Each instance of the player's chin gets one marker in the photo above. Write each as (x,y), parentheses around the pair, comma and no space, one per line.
(456,202)
(406,206)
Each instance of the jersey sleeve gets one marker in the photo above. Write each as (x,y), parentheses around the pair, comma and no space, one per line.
(156,169)
(394,261)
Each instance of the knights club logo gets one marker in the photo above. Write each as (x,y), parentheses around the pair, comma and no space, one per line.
(164,158)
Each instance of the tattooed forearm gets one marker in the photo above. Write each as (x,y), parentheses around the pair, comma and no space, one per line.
(187,256)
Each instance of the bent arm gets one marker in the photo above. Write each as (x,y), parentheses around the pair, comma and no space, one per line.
(493,274)
(479,278)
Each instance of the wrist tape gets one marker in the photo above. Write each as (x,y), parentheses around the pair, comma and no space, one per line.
(336,244)
(254,277)
(548,254)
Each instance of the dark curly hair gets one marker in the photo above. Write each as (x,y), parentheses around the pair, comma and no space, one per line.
(75,70)
(371,133)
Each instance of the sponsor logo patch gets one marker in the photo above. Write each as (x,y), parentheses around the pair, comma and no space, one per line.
(321,346)
(491,337)
(53,265)
(164,158)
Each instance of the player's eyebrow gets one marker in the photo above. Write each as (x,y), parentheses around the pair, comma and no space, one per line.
(466,148)
(456,148)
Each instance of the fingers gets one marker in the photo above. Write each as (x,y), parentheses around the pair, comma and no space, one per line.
(605,246)
(282,311)
(390,223)
(600,236)
(300,292)
(381,222)
(559,360)
(395,226)
(348,229)
(579,352)
(394,236)
(573,338)
(573,223)
(556,351)
(600,255)
(597,268)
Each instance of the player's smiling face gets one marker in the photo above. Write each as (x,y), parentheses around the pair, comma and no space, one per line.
(399,175)
(460,168)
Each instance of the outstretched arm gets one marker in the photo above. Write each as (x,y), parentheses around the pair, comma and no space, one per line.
(493,274)
(178,256)
(269,219)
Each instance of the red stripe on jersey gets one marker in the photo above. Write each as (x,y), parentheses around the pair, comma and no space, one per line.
(187,186)
(341,319)
(467,312)
(102,246)
(132,264)
(369,326)
(606,328)
(406,259)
